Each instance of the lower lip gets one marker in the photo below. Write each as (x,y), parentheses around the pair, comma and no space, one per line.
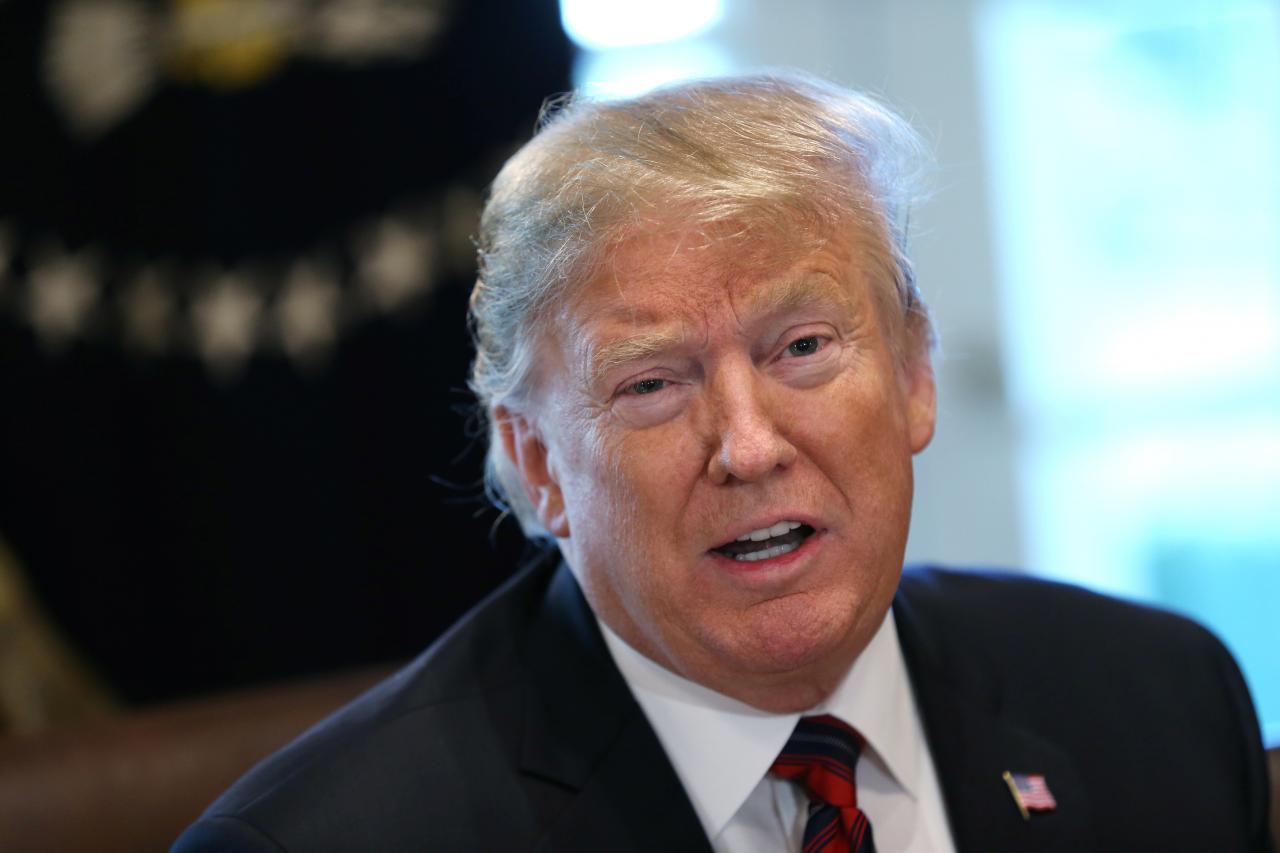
(773,564)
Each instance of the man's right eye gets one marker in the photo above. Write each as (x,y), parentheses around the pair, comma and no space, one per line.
(646,386)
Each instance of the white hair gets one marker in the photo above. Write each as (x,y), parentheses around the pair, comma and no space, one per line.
(773,156)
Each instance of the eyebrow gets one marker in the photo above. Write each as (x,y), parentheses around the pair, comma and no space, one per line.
(633,348)
(788,295)
(801,292)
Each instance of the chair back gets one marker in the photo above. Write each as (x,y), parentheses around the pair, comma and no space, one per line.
(132,783)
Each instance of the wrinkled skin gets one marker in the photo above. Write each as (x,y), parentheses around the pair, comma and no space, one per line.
(683,398)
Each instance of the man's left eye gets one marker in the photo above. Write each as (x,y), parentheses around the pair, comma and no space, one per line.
(804,346)
(646,386)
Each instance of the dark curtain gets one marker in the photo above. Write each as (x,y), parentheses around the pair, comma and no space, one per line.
(206,487)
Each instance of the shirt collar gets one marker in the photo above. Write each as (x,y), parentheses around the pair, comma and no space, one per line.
(721,748)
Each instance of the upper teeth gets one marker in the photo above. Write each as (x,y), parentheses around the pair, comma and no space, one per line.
(768,532)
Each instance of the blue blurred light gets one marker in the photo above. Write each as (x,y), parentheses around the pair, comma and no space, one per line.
(1135,155)
(605,24)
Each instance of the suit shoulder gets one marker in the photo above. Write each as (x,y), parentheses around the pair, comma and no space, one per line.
(1050,641)
(220,834)
(997,605)
(391,749)
(1023,629)
(1118,686)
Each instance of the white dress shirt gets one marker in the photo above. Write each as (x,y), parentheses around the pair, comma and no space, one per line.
(722,750)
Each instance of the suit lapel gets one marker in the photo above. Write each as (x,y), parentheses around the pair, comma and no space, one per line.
(972,746)
(584,731)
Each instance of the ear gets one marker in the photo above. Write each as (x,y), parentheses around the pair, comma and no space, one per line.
(527,452)
(922,399)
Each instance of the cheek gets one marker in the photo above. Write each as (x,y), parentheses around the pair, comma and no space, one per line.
(591,481)
(652,469)
(636,495)
(858,437)
(852,415)
(606,487)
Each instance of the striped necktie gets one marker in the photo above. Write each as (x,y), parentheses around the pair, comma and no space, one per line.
(821,756)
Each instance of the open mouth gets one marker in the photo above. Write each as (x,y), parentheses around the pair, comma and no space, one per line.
(766,543)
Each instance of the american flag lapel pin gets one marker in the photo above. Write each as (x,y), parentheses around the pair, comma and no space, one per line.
(1030,792)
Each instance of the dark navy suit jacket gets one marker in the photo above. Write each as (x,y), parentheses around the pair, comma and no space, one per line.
(516,732)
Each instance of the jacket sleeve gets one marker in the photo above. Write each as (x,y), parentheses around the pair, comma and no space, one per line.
(1253,760)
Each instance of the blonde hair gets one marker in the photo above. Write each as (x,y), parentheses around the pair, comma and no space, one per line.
(769,155)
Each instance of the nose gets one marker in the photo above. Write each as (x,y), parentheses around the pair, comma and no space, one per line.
(749,445)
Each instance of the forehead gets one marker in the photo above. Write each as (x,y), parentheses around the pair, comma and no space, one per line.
(650,270)
(662,289)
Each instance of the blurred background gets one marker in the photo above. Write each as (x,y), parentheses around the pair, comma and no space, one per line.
(235,254)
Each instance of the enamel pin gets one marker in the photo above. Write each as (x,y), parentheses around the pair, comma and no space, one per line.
(1030,792)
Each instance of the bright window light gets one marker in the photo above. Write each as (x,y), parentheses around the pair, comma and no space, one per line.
(604,24)
(1135,156)
(632,71)
(1138,193)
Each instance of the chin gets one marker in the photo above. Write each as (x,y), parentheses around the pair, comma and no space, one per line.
(795,635)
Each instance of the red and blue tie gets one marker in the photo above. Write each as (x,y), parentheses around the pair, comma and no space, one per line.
(821,756)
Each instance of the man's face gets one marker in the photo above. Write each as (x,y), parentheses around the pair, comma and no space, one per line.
(686,405)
